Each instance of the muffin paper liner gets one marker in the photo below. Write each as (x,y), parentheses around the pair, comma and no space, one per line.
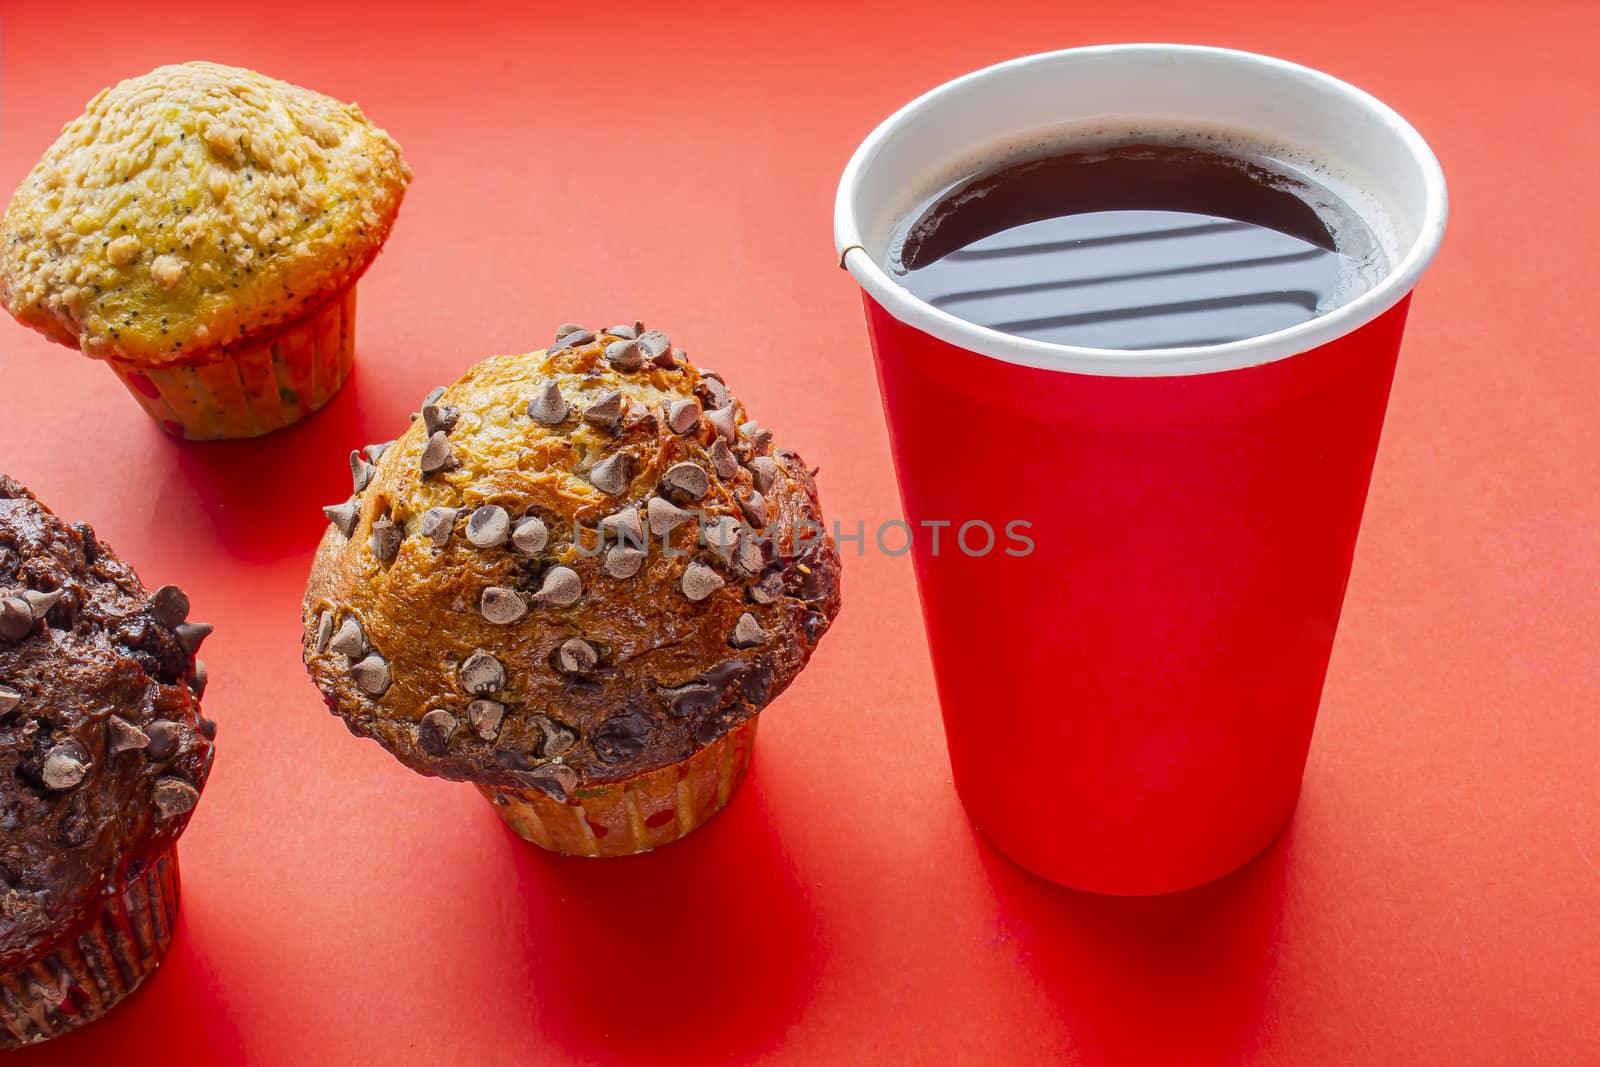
(87,976)
(637,814)
(249,390)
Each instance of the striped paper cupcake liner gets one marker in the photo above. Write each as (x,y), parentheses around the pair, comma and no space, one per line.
(252,389)
(635,815)
(86,977)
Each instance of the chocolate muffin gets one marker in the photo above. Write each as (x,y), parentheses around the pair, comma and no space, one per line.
(574,582)
(103,753)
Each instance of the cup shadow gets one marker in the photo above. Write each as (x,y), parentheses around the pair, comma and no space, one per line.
(263,496)
(175,1010)
(1182,978)
(701,951)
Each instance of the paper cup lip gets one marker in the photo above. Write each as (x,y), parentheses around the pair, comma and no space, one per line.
(1412,262)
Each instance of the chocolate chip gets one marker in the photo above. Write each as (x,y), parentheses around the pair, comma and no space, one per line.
(622,561)
(712,728)
(627,333)
(700,581)
(769,588)
(606,412)
(575,656)
(65,767)
(555,780)
(747,633)
(684,415)
(124,736)
(440,418)
(717,395)
(688,480)
(16,618)
(351,640)
(324,632)
(482,674)
(501,606)
(435,395)
(814,625)
(198,679)
(567,329)
(549,407)
(656,346)
(723,459)
(361,472)
(375,452)
(664,515)
(686,700)
(621,737)
(721,535)
(437,455)
(166,737)
(39,604)
(561,587)
(530,535)
(624,528)
(576,339)
(372,674)
(610,475)
(757,437)
(488,526)
(343,516)
(435,731)
(208,728)
(192,634)
(438,524)
(754,508)
(624,355)
(485,716)
(9,699)
(748,558)
(385,539)
(554,737)
(174,797)
(169,606)
(725,422)
(764,472)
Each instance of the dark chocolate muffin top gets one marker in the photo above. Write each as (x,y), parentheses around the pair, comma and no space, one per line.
(103,751)
(578,565)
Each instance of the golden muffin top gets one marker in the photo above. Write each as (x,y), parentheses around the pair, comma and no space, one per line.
(193,207)
(576,566)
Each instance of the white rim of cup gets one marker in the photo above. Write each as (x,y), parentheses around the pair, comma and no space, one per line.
(1151,362)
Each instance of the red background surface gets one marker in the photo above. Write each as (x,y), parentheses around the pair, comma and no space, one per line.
(1435,899)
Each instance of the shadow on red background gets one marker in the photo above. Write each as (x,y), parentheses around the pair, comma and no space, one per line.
(1182,978)
(704,951)
(263,497)
(176,1010)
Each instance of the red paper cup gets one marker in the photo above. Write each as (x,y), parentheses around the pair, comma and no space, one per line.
(1128,700)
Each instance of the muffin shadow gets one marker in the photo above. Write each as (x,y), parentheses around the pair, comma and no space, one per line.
(183,988)
(263,496)
(702,950)
(1180,978)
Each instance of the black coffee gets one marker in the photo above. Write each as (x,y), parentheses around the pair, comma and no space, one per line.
(1138,245)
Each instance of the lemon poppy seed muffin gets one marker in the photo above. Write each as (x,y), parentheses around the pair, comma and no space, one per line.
(103,755)
(574,582)
(201,228)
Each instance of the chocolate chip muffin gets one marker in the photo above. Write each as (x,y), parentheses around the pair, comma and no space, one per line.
(103,753)
(201,228)
(574,582)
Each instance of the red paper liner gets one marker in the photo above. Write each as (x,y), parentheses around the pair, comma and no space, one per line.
(635,815)
(86,977)
(249,390)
